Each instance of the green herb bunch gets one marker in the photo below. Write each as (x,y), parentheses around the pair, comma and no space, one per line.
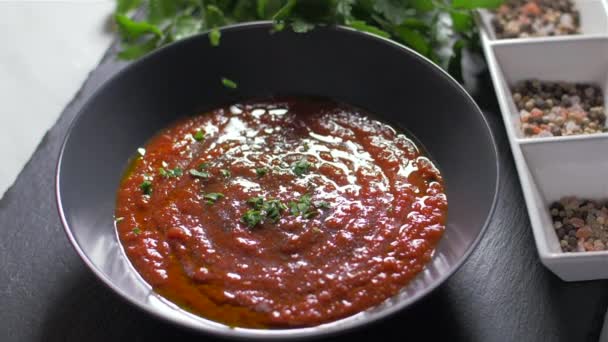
(437,29)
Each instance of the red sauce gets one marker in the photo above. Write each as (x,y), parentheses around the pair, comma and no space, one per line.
(377,209)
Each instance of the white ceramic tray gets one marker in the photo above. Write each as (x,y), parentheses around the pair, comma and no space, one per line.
(553,167)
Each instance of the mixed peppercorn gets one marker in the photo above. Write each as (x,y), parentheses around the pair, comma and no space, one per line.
(581,225)
(536,18)
(559,108)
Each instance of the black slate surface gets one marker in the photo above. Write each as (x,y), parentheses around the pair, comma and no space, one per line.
(502,293)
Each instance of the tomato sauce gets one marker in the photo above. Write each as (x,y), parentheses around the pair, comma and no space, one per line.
(278,213)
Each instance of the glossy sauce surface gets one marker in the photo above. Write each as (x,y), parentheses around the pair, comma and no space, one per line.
(355,212)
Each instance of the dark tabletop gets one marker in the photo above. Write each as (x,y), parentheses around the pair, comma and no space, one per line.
(502,293)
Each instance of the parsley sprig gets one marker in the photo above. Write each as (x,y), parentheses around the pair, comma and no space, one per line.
(420,24)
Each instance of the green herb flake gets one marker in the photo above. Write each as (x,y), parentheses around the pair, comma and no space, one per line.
(301,167)
(214,37)
(213,197)
(256,202)
(316,230)
(252,218)
(177,172)
(225,173)
(261,171)
(273,209)
(136,231)
(228,83)
(200,174)
(303,207)
(199,135)
(146,187)
(118,219)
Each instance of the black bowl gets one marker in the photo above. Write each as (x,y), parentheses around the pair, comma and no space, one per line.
(379,75)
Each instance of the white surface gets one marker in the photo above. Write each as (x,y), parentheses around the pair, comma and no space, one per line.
(47,50)
(542,163)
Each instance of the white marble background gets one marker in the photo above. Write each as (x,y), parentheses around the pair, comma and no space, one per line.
(47,49)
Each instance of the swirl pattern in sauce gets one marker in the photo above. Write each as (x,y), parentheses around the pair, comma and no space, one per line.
(358,211)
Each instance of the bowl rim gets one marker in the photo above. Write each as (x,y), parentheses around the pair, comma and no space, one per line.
(323,330)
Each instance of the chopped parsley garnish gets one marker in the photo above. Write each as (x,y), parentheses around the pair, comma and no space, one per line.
(256,202)
(228,83)
(273,209)
(261,171)
(263,209)
(200,174)
(213,197)
(146,187)
(177,172)
(306,147)
(225,173)
(199,135)
(136,231)
(303,207)
(301,167)
(252,218)
(141,151)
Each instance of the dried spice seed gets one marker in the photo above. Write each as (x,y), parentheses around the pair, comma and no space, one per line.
(584,227)
(549,109)
(536,18)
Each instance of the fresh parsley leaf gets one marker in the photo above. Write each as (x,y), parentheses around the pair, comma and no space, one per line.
(199,135)
(344,8)
(161,11)
(132,30)
(363,26)
(225,173)
(285,11)
(214,16)
(146,187)
(462,21)
(252,218)
(228,83)
(301,167)
(213,197)
(261,8)
(261,171)
(414,39)
(200,174)
(185,26)
(473,4)
(301,26)
(214,37)
(394,10)
(136,231)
